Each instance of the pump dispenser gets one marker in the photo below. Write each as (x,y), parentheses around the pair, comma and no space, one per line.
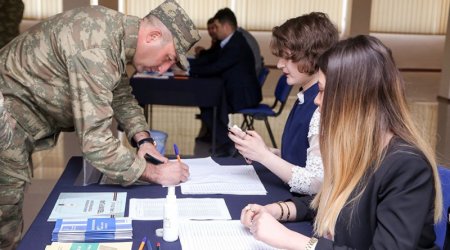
(170,224)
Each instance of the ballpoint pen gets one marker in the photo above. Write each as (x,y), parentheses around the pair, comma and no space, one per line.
(149,245)
(181,77)
(177,152)
(141,246)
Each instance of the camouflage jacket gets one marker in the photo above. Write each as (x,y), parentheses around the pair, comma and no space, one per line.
(68,72)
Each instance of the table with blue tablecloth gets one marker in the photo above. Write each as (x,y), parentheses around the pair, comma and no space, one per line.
(39,233)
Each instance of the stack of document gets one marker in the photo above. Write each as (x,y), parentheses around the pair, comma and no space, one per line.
(94,229)
(208,177)
(89,205)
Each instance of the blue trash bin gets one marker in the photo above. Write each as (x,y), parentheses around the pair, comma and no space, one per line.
(160,138)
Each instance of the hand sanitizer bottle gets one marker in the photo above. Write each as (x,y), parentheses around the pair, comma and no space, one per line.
(170,224)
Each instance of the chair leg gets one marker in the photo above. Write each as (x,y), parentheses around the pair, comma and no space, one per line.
(266,121)
(244,124)
(250,123)
(247,123)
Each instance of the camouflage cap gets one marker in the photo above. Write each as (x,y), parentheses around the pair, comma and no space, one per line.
(183,30)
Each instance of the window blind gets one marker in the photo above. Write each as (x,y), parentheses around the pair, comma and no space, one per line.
(409,16)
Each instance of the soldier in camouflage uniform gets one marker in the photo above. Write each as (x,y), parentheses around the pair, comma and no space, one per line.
(10,17)
(68,72)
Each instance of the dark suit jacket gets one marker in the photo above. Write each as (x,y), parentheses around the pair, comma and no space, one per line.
(213,49)
(395,211)
(235,64)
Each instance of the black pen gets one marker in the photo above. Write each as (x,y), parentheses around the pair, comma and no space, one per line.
(152,159)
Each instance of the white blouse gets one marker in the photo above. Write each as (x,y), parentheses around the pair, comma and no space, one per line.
(308,179)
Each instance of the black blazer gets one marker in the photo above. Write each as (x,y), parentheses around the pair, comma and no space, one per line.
(235,64)
(395,211)
(213,49)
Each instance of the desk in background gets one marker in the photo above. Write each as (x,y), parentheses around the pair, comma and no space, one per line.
(40,232)
(196,92)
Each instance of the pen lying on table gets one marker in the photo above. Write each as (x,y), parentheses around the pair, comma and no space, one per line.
(181,77)
(144,240)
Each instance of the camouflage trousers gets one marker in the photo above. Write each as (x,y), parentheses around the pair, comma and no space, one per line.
(7,125)
(15,169)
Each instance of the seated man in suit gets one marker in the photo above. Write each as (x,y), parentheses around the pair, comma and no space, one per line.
(251,40)
(235,64)
(215,44)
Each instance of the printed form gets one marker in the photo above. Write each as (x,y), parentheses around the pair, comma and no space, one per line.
(188,208)
(218,235)
(208,177)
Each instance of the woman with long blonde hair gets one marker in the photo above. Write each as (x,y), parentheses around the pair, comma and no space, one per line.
(381,187)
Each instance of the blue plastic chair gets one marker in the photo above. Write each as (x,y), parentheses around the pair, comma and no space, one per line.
(263,111)
(441,227)
(160,138)
(262,76)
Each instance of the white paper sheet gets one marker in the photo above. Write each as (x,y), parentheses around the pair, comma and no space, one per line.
(208,177)
(218,235)
(188,208)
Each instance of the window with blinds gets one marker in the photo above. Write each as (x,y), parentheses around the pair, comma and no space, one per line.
(387,16)
(409,16)
(41,9)
(261,15)
(199,10)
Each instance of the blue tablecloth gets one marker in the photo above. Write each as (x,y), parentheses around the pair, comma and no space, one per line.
(39,233)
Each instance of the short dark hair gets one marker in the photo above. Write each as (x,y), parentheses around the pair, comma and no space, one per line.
(210,21)
(226,15)
(304,38)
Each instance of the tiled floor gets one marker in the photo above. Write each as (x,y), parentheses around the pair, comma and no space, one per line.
(181,126)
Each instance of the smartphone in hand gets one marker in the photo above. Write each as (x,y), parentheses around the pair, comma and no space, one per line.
(236,127)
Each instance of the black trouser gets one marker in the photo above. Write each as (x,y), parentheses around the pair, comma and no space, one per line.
(447,237)
(207,116)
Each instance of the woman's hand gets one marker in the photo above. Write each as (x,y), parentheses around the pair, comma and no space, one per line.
(249,212)
(249,144)
(264,227)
